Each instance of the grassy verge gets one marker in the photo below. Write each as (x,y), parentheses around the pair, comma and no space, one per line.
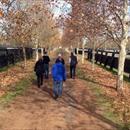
(102,101)
(16,90)
(5,68)
(114,71)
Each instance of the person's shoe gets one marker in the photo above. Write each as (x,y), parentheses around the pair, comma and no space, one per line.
(55,97)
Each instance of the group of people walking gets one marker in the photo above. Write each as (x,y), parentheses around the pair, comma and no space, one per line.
(58,71)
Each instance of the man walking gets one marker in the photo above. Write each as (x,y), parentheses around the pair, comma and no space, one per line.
(60,59)
(46,60)
(73,62)
(39,69)
(59,75)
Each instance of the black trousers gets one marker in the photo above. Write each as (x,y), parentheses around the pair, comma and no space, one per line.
(46,69)
(39,79)
(72,71)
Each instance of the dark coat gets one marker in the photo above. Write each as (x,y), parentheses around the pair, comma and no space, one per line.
(39,67)
(62,60)
(46,59)
(73,60)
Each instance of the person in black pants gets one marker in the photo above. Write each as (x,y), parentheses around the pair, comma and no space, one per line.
(73,62)
(46,60)
(39,69)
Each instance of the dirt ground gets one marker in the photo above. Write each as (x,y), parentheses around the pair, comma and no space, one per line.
(37,110)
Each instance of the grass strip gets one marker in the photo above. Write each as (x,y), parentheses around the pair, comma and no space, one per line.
(103,101)
(16,90)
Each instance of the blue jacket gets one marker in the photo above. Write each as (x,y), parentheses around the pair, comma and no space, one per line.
(58,72)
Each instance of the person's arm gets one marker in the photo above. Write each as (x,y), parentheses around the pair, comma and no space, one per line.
(53,72)
(35,67)
(76,60)
(63,61)
(64,73)
(69,60)
(49,59)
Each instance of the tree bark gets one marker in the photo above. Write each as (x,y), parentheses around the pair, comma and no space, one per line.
(37,53)
(24,57)
(124,41)
(121,62)
(42,52)
(72,49)
(83,53)
(93,57)
(78,51)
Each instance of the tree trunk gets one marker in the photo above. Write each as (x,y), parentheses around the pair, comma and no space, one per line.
(83,53)
(72,48)
(42,53)
(78,52)
(37,53)
(93,57)
(24,57)
(121,62)
(122,54)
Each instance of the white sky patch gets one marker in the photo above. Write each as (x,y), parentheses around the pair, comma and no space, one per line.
(129,12)
(61,8)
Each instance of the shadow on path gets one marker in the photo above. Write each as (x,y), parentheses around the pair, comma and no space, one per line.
(84,102)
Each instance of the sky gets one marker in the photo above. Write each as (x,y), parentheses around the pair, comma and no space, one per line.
(61,8)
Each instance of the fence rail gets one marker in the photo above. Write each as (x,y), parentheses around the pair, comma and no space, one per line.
(13,55)
(108,58)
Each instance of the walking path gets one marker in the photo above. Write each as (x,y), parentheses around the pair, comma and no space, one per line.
(37,110)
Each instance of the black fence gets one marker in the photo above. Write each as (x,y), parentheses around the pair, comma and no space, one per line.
(108,58)
(13,55)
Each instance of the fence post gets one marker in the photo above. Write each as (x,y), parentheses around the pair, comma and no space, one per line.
(7,57)
(106,59)
(101,57)
(96,56)
(112,62)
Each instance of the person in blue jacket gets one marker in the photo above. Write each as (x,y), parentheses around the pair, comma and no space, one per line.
(58,75)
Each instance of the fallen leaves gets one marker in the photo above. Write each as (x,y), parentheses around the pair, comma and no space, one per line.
(107,81)
(14,75)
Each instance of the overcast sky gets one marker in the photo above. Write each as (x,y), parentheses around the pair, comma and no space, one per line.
(60,8)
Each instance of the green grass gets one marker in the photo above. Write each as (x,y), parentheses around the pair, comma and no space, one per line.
(5,68)
(16,90)
(102,101)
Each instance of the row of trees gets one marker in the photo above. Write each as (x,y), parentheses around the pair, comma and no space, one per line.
(27,24)
(101,22)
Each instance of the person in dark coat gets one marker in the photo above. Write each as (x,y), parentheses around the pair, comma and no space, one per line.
(73,62)
(46,60)
(60,59)
(39,70)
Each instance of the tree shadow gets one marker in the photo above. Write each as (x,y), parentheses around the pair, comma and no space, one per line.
(96,82)
(45,87)
(47,90)
(88,107)
(98,75)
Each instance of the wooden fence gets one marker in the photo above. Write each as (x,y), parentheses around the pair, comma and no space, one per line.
(108,58)
(12,55)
